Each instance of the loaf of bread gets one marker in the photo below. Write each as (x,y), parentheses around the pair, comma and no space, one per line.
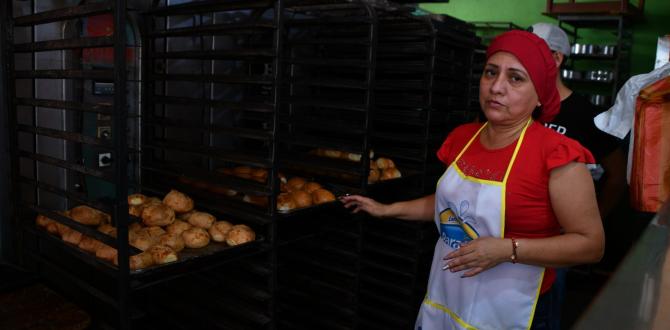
(162,254)
(384,163)
(88,216)
(285,202)
(301,198)
(390,173)
(178,227)
(309,187)
(70,235)
(219,230)
(201,219)
(174,241)
(107,253)
(158,215)
(89,244)
(178,201)
(240,234)
(195,237)
(321,196)
(136,199)
(139,261)
(295,183)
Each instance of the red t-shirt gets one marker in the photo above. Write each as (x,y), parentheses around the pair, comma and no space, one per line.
(528,212)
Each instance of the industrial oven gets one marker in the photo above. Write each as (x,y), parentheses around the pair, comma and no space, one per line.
(256,114)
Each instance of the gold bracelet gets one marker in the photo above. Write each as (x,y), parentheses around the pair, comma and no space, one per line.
(515,245)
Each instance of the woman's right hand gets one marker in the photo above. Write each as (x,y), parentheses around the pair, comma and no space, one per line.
(369,205)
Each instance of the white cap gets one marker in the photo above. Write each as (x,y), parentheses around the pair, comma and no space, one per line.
(555,37)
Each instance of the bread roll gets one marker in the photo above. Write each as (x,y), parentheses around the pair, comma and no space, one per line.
(71,236)
(219,230)
(384,163)
(107,253)
(87,216)
(332,153)
(256,200)
(285,202)
(154,231)
(152,200)
(390,173)
(178,201)
(107,229)
(175,241)
(53,227)
(139,261)
(373,165)
(158,215)
(243,172)
(195,238)
(89,244)
(321,196)
(373,176)
(61,229)
(136,199)
(162,254)
(296,183)
(309,187)
(142,240)
(201,219)
(178,227)
(302,198)
(240,234)
(259,175)
(136,210)
(351,156)
(42,221)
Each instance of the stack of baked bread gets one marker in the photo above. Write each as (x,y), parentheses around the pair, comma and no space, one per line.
(337,154)
(167,227)
(298,192)
(381,169)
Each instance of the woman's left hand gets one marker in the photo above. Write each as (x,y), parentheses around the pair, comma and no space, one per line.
(478,255)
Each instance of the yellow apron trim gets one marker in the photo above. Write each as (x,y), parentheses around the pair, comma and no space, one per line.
(448,311)
(504,182)
(537,296)
(473,179)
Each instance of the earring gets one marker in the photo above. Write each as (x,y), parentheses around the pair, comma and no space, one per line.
(539,104)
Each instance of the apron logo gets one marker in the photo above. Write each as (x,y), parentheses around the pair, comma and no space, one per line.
(454,229)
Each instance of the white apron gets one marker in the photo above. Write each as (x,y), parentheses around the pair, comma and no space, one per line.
(503,297)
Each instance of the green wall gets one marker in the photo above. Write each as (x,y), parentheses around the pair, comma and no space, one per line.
(523,13)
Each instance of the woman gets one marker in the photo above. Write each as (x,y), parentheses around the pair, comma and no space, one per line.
(510,186)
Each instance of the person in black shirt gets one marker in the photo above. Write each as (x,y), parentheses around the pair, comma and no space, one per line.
(575,120)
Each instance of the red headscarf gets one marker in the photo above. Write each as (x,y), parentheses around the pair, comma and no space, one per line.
(535,56)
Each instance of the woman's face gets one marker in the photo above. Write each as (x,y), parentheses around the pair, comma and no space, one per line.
(506,93)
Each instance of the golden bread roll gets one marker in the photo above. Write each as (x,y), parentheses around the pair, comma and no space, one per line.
(332,153)
(61,229)
(384,163)
(136,210)
(302,198)
(201,219)
(373,176)
(175,241)
(373,165)
(240,234)
(154,231)
(42,221)
(256,200)
(89,244)
(162,254)
(139,261)
(351,156)
(178,201)
(195,237)
(178,227)
(283,187)
(158,215)
(87,215)
(136,199)
(243,172)
(107,229)
(53,227)
(296,183)
(390,173)
(107,253)
(259,175)
(141,240)
(71,236)
(285,202)
(219,230)
(321,196)
(309,187)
